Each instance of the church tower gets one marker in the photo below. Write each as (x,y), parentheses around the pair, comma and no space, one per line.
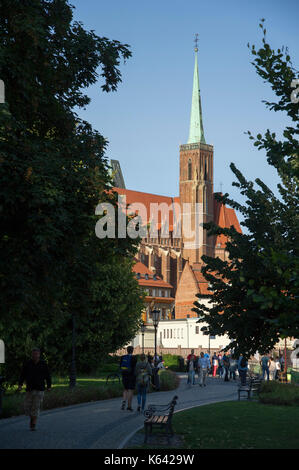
(196,182)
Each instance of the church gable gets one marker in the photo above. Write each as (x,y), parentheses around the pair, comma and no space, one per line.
(186,293)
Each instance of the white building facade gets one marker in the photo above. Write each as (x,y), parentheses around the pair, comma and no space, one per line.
(187,333)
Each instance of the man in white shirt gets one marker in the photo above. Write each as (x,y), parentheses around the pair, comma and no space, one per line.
(203,366)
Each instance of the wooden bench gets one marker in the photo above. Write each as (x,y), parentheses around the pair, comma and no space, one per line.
(253,386)
(159,415)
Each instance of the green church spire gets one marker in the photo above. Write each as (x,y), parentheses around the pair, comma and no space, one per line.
(196,133)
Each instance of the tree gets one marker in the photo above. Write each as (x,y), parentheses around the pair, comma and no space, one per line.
(255,292)
(53,173)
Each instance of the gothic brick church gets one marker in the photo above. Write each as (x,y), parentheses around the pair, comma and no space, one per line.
(170,263)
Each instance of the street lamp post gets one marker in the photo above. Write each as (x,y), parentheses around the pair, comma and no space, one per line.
(156,318)
(73,363)
(142,329)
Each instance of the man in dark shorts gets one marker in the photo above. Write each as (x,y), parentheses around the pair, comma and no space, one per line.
(127,367)
(35,373)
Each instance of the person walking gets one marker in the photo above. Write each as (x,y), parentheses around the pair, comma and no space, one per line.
(272,369)
(156,359)
(220,365)
(127,368)
(214,364)
(233,364)
(35,373)
(265,362)
(143,372)
(242,369)
(210,368)
(161,365)
(282,363)
(191,368)
(203,366)
(226,367)
(153,377)
(278,369)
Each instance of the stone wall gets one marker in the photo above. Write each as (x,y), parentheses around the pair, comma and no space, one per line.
(183,352)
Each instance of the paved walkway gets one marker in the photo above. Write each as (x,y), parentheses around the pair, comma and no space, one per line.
(101,424)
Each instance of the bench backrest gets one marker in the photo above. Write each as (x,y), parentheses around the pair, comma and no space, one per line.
(255,384)
(172,404)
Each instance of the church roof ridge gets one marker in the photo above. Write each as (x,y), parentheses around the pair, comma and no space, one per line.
(117,189)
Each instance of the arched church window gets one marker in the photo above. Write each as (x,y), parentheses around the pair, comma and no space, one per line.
(189,169)
(205,200)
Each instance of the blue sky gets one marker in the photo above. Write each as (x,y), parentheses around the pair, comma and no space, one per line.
(147,119)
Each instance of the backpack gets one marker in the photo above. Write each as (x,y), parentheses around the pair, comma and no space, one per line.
(143,376)
(243,362)
(126,364)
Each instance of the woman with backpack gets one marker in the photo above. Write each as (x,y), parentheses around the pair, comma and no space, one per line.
(242,369)
(143,372)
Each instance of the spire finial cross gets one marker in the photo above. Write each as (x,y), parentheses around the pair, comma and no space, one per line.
(196,42)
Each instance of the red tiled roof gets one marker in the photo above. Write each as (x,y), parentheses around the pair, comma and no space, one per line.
(202,283)
(224,217)
(147,199)
(151,282)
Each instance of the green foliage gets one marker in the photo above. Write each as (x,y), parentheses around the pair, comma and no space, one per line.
(171,361)
(275,393)
(53,173)
(256,290)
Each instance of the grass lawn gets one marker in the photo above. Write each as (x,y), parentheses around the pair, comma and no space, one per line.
(237,425)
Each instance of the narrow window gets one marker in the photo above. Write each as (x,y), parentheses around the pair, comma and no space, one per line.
(205,200)
(189,169)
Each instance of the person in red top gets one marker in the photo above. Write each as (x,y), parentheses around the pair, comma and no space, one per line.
(191,367)
(215,364)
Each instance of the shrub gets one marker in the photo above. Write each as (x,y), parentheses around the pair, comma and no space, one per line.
(276,393)
(168,380)
(295,377)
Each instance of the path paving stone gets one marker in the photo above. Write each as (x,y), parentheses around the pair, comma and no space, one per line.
(101,424)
